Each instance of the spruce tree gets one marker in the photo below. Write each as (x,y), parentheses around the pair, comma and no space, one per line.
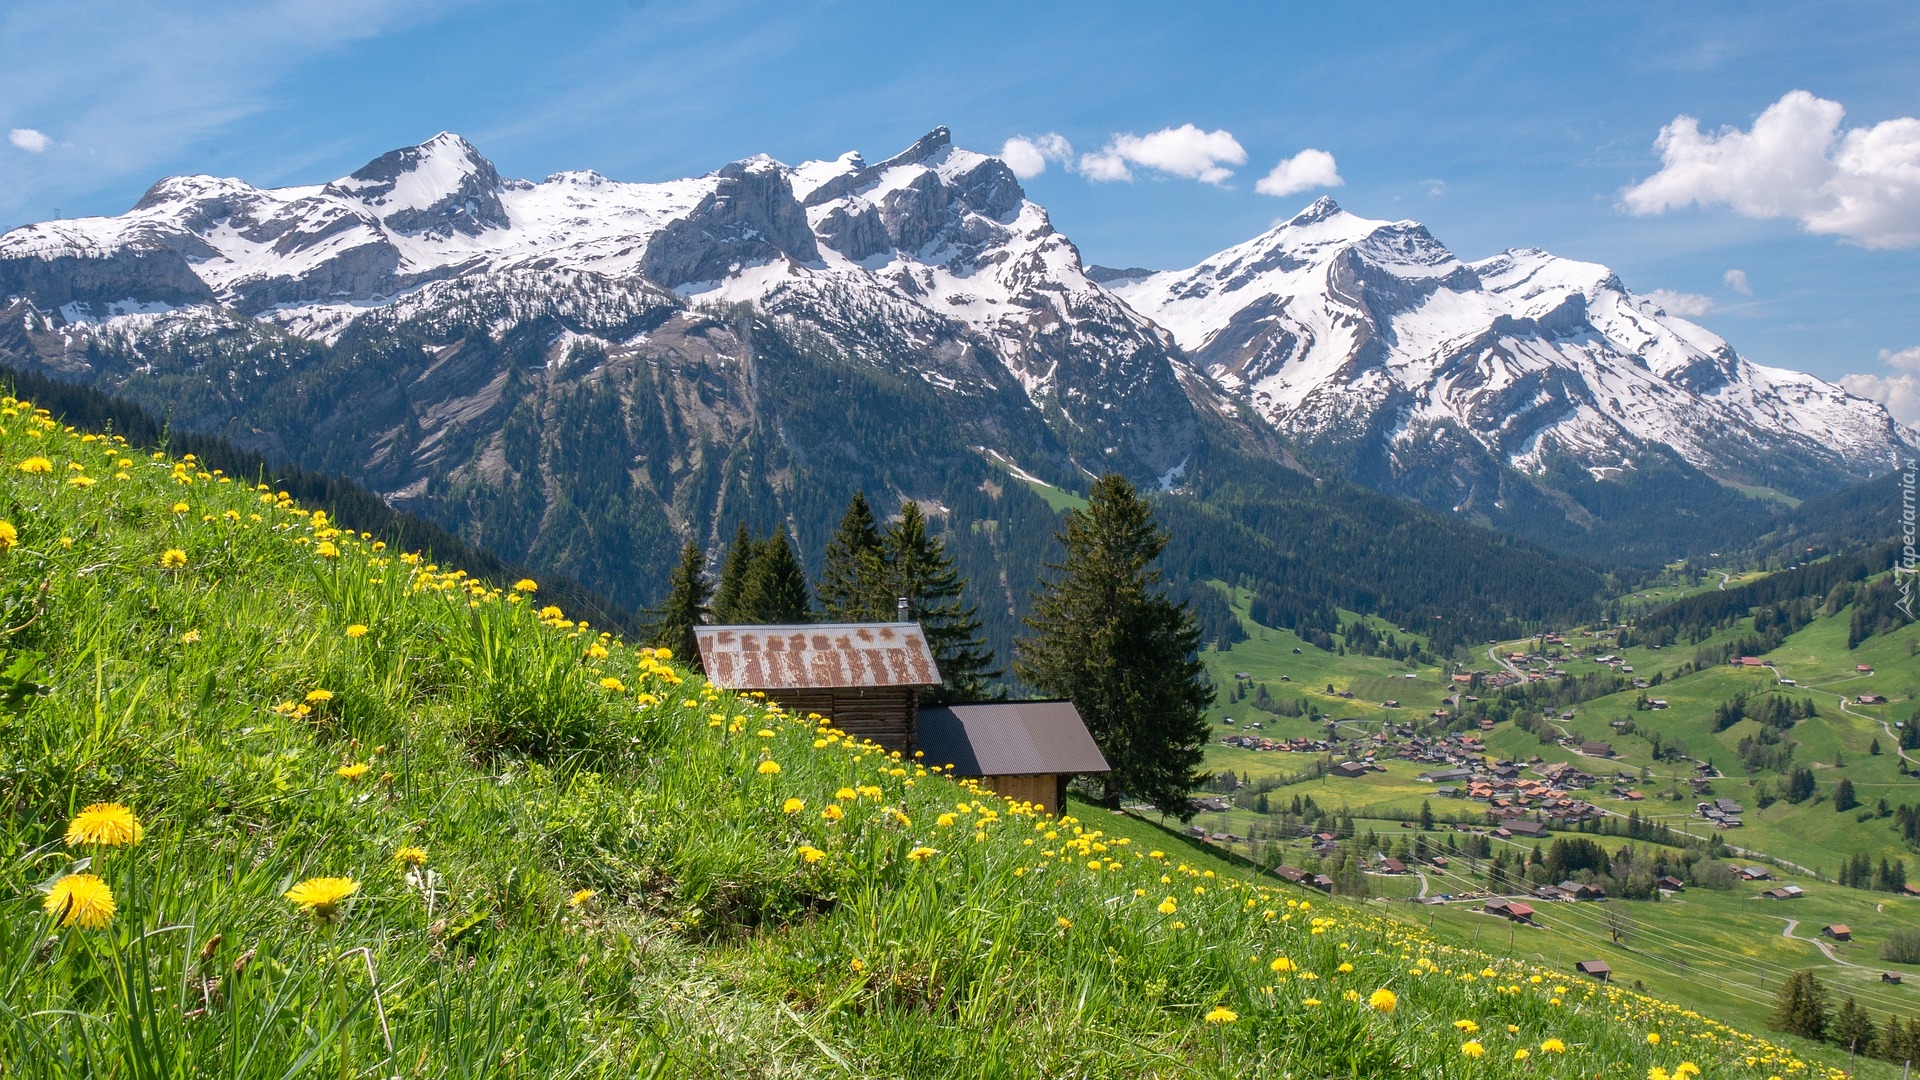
(1852,1027)
(1800,1008)
(1106,636)
(775,590)
(685,607)
(727,606)
(1843,796)
(915,564)
(849,587)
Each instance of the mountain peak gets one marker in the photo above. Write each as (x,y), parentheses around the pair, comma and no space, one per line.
(923,148)
(441,186)
(1321,209)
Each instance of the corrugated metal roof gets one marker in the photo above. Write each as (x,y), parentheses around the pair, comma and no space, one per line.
(817,656)
(1010,738)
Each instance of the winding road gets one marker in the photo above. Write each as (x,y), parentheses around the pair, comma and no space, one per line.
(1825,949)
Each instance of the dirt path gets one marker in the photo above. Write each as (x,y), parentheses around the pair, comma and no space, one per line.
(1825,949)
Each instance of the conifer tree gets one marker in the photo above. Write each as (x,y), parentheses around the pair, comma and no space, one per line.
(685,607)
(1800,1008)
(1852,1027)
(915,564)
(775,590)
(849,588)
(1843,796)
(1106,635)
(727,606)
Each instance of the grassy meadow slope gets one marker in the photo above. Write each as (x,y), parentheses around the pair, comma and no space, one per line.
(554,855)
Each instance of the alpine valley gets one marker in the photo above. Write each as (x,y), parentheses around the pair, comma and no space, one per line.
(1339,415)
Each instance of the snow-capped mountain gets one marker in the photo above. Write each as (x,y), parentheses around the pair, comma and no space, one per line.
(933,245)
(1371,342)
(412,323)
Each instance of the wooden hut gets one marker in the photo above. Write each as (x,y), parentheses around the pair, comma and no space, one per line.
(1837,931)
(1596,968)
(865,677)
(1024,750)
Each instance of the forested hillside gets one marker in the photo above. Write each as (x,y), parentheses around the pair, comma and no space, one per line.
(549,448)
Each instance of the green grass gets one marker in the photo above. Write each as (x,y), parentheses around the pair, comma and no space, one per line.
(617,880)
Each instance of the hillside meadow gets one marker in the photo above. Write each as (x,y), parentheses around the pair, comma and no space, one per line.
(283,801)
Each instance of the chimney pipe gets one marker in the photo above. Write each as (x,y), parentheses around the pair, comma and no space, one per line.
(903,612)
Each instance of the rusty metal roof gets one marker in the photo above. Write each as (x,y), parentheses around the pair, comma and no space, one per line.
(816,656)
(1009,738)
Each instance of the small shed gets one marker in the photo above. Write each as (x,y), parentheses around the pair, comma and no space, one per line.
(1890,977)
(1836,931)
(865,677)
(1596,968)
(1024,750)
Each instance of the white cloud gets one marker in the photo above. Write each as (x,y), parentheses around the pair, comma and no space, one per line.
(1737,281)
(1028,157)
(1861,184)
(29,140)
(1899,392)
(1304,171)
(1183,151)
(1684,304)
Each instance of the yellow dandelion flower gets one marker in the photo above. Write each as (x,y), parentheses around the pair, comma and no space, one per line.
(1344,969)
(1521,1054)
(581,897)
(1168,907)
(615,685)
(1685,1069)
(1553,1046)
(351,772)
(80,481)
(80,899)
(1472,1048)
(1466,1026)
(526,585)
(857,965)
(181,508)
(810,853)
(9,536)
(318,697)
(1220,1014)
(1383,1000)
(172,559)
(1653,1038)
(104,825)
(846,794)
(833,813)
(35,465)
(1656,1073)
(1283,964)
(357,630)
(411,856)
(793,806)
(321,896)
(920,854)
(768,768)
(1065,923)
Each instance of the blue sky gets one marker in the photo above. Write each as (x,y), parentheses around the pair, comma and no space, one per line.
(1499,125)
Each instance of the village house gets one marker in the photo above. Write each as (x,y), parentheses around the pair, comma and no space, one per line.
(1784,892)
(1836,931)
